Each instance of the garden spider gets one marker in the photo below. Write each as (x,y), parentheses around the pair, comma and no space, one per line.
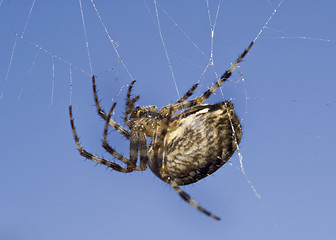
(185,147)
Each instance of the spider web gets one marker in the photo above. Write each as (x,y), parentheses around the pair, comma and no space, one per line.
(283,93)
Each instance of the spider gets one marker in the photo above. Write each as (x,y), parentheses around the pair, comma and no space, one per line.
(185,147)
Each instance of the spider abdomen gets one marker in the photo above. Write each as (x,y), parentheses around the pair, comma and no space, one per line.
(204,140)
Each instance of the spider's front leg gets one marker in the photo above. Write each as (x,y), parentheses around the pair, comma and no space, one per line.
(138,143)
(95,158)
(102,113)
(130,102)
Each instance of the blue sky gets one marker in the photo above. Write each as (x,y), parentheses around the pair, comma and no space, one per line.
(285,98)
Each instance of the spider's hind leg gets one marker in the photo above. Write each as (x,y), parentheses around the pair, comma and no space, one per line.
(188,94)
(188,199)
(187,104)
(102,113)
(165,110)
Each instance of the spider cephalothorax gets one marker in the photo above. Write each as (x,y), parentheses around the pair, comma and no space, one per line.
(190,140)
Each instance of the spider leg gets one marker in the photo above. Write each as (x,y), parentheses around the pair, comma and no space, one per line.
(136,142)
(143,151)
(102,113)
(134,146)
(188,199)
(188,94)
(164,111)
(92,157)
(187,104)
(129,102)
(129,163)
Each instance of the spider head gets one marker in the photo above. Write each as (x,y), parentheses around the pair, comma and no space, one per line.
(150,112)
(146,118)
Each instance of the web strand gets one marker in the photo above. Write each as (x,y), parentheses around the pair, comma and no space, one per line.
(8,69)
(28,74)
(85,35)
(70,83)
(48,52)
(13,49)
(268,20)
(240,156)
(182,31)
(296,36)
(111,40)
(165,48)
(52,82)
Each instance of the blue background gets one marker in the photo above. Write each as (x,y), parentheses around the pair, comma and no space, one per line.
(286,101)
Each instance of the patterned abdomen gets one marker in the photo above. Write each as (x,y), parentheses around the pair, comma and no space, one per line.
(203,141)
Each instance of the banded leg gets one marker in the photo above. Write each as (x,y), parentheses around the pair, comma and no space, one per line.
(137,143)
(129,102)
(188,199)
(164,111)
(102,113)
(130,164)
(188,94)
(95,158)
(143,152)
(187,104)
